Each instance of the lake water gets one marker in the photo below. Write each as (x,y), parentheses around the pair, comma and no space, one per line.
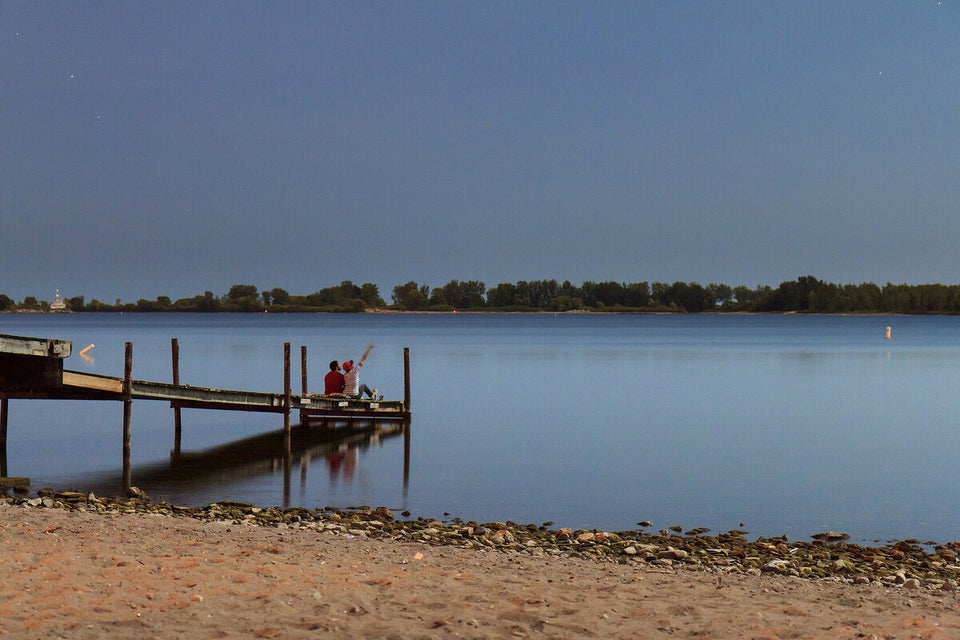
(788,424)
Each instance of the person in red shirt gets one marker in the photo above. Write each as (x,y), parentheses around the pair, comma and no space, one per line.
(333,381)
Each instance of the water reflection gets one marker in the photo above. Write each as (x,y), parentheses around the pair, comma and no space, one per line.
(334,446)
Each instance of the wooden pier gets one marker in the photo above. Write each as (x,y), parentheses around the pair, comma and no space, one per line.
(32,368)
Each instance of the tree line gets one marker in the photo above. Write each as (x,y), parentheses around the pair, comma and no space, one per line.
(806,294)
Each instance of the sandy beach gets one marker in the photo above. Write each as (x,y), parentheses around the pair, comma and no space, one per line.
(83,574)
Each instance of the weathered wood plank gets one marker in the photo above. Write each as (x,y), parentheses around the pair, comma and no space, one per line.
(90,381)
(19,372)
(40,347)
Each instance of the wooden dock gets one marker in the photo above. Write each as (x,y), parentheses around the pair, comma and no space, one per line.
(32,368)
(312,407)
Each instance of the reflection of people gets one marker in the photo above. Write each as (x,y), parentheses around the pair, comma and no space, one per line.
(333,382)
(351,378)
(342,461)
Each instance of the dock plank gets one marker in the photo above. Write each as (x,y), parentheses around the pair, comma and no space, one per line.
(91,381)
(39,347)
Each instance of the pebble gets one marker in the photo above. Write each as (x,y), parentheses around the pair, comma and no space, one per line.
(904,564)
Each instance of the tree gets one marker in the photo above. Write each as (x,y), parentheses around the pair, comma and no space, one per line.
(207,302)
(75,303)
(410,296)
(720,294)
(636,294)
(501,296)
(146,305)
(745,297)
(240,291)
(658,292)
(348,291)
(461,295)
(370,294)
(438,299)
(96,305)
(566,303)
(277,296)
(6,302)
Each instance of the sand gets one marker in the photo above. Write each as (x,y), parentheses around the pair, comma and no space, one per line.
(67,574)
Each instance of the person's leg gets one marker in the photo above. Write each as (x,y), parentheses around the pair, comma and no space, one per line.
(364,389)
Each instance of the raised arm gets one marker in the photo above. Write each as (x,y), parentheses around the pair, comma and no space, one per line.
(366,353)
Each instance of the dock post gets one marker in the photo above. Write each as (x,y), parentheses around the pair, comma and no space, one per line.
(406,457)
(127,410)
(406,380)
(177,425)
(303,376)
(286,387)
(406,421)
(4,408)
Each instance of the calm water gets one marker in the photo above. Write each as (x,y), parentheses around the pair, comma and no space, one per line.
(790,425)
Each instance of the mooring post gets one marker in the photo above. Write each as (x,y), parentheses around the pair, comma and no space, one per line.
(303,376)
(406,380)
(4,407)
(286,386)
(303,369)
(177,428)
(127,410)
(406,457)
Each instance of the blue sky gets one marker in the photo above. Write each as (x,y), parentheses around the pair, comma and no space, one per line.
(173,148)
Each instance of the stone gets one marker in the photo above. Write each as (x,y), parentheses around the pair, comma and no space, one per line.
(671,553)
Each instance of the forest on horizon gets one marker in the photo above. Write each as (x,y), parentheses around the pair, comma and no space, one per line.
(806,294)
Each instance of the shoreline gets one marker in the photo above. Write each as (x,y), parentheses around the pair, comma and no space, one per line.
(903,563)
(81,567)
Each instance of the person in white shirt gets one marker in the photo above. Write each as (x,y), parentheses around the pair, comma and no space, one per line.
(351,379)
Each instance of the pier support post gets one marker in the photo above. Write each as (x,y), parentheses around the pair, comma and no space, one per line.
(286,387)
(127,410)
(177,426)
(303,376)
(406,380)
(4,408)
(406,457)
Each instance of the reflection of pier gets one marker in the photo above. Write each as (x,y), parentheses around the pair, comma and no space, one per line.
(33,368)
(270,452)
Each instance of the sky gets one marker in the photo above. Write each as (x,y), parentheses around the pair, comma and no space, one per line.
(168,149)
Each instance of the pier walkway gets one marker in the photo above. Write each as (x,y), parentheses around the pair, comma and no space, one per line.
(32,368)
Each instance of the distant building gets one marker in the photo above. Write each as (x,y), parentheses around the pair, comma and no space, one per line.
(58,305)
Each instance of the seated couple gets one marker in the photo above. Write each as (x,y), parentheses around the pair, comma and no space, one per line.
(348,383)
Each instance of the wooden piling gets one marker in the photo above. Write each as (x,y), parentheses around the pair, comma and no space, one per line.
(303,376)
(286,387)
(177,425)
(303,369)
(406,380)
(406,457)
(127,411)
(4,408)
